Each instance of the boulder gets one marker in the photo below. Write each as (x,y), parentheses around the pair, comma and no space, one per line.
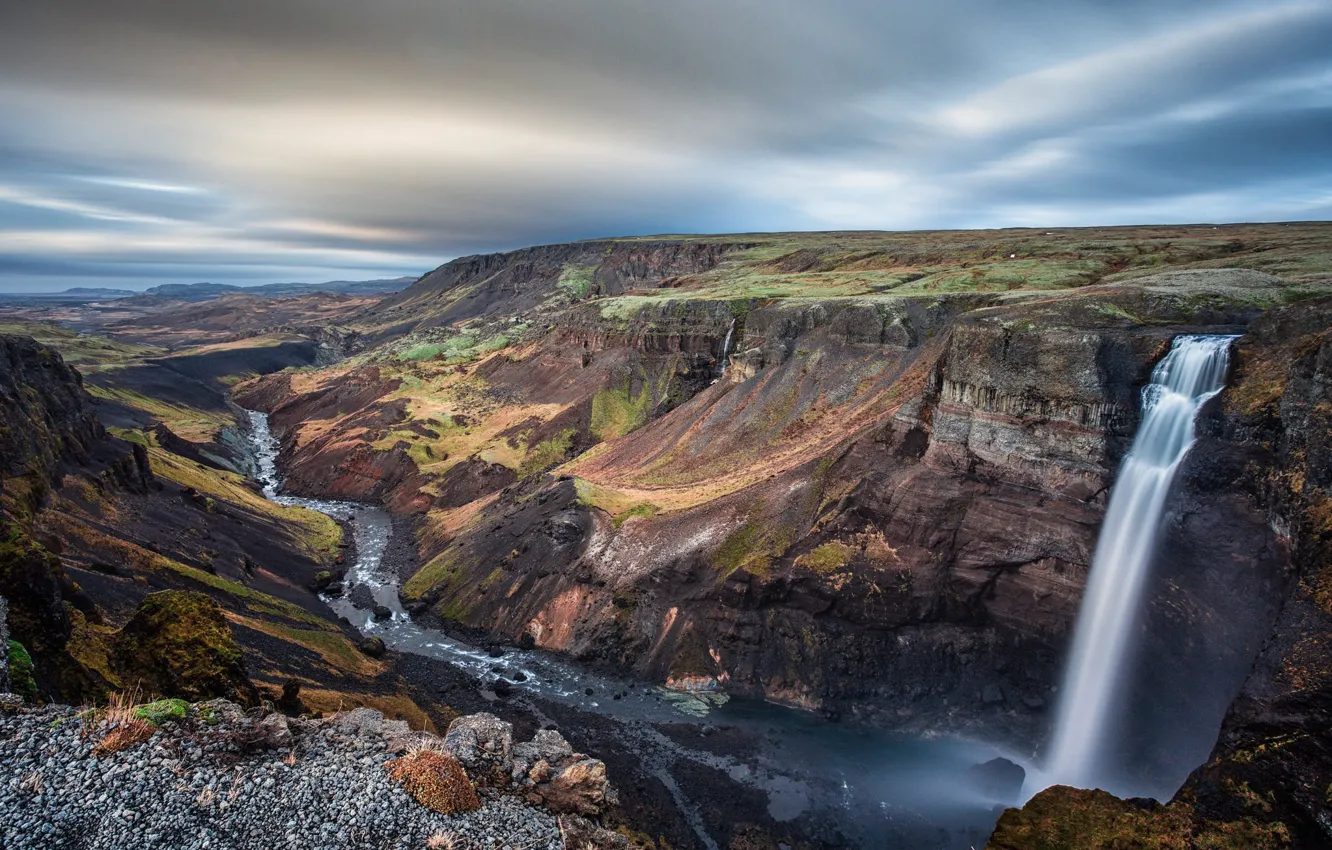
(365,722)
(546,746)
(274,731)
(373,647)
(383,612)
(998,779)
(581,788)
(580,832)
(481,742)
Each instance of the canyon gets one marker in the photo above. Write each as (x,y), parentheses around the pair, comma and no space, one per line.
(856,475)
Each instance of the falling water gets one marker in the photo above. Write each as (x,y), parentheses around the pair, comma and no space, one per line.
(726,349)
(1193,372)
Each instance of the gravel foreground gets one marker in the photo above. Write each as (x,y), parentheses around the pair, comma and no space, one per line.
(189,787)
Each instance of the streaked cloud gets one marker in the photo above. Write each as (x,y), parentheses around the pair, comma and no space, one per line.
(290,139)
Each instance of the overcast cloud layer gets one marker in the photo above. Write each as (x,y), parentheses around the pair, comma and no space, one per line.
(274,140)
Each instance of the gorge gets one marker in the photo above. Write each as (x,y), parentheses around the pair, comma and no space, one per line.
(841,492)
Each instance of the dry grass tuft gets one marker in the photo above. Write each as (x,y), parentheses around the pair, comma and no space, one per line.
(436,781)
(443,841)
(123,737)
(124,727)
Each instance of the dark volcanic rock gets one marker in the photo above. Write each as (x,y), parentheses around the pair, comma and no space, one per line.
(999,779)
(373,647)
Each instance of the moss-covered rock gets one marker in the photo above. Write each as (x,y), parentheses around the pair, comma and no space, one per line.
(179,643)
(21,671)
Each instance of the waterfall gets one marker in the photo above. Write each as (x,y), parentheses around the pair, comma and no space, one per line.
(726,349)
(1193,372)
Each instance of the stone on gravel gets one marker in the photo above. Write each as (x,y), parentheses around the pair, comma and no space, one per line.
(480,742)
(581,788)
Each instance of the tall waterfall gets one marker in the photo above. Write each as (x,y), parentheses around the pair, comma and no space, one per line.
(726,349)
(1193,372)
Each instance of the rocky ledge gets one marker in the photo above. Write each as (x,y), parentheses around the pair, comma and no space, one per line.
(211,775)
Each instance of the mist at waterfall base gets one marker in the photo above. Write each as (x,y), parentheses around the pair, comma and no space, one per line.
(1095,743)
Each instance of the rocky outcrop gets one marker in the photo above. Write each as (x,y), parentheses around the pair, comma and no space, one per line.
(546,770)
(46,420)
(179,644)
(521,282)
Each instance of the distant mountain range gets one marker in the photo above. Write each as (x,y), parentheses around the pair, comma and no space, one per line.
(209,291)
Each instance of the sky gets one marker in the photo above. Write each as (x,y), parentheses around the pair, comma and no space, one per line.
(253,141)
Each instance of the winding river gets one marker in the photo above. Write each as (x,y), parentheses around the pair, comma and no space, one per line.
(875,789)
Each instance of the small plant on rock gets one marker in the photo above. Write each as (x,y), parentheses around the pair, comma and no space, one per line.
(436,780)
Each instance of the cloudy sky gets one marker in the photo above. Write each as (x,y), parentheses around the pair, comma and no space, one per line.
(152,141)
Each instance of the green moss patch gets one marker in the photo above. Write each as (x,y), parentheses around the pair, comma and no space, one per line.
(163,710)
(21,671)
(547,453)
(827,558)
(616,412)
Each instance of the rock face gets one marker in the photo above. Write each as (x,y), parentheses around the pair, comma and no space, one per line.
(48,427)
(4,646)
(45,418)
(179,643)
(886,508)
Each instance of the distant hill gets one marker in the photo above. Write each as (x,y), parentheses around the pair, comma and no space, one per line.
(77,295)
(208,291)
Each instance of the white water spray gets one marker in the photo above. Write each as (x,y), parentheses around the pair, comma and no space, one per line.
(1193,372)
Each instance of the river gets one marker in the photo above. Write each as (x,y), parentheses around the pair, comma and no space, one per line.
(874,789)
